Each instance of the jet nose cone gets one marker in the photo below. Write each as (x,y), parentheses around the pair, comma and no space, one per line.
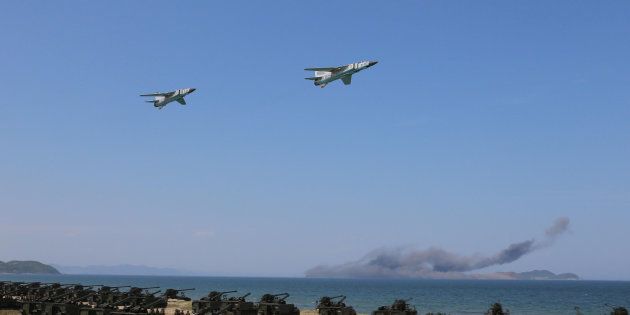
(372,63)
(192,90)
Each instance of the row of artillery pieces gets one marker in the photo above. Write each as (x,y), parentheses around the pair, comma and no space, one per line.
(36,298)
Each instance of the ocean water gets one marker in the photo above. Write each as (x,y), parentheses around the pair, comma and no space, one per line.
(451,296)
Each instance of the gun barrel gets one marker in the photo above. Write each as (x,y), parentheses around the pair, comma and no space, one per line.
(282,295)
(148,305)
(77,299)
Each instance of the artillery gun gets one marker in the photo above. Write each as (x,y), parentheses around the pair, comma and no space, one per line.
(40,299)
(49,290)
(497,309)
(150,304)
(399,307)
(275,304)
(334,306)
(107,295)
(238,305)
(211,303)
(68,303)
(15,289)
(9,300)
(38,291)
(140,304)
(136,291)
(64,294)
(135,296)
(617,310)
(175,294)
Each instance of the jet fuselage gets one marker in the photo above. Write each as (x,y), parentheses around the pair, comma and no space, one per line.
(325,77)
(161,101)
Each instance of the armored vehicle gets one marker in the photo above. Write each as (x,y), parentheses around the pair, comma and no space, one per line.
(8,297)
(107,295)
(334,306)
(275,304)
(177,294)
(72,299)
(399,307)
(238,306)
(618,310)
(210,304)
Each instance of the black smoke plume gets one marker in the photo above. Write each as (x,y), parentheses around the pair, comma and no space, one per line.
(434,262)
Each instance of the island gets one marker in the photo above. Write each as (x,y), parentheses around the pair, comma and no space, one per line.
(545,275)
(26,267)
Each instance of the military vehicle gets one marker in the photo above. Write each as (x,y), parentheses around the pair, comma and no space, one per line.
(617,310)
(177,294)
(399,307)
(497,309)
(106,295)
(275,304)
(211,303)
(238,305)
(74,299)
(334,306)
(8,293)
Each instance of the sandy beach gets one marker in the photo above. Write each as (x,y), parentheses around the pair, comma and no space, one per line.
(187,306)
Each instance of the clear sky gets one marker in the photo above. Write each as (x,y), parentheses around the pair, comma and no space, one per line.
(482,123)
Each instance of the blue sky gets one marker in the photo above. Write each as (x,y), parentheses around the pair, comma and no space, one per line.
(482,123)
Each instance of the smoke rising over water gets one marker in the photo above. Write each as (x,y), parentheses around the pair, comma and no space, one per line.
(435,262)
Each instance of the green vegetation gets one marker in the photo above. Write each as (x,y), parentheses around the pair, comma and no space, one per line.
(26,267)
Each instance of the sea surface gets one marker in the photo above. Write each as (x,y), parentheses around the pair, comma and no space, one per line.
(451,296)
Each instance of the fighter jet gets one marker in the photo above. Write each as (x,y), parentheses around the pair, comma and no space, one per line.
(324,76)
(162,99)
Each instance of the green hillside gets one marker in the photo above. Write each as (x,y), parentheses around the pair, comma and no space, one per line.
(26,267)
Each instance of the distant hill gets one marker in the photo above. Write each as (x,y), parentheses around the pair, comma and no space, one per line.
(18,267)
(537,275)
(122,270)
(546,275)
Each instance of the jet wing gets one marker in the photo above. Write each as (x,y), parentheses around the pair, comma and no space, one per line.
(181,101)
(347,79)
(158,94)
(329,69)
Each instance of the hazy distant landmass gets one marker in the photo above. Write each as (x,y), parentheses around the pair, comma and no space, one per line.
(21,267)
(528,275)
(123,270)
(544,275)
